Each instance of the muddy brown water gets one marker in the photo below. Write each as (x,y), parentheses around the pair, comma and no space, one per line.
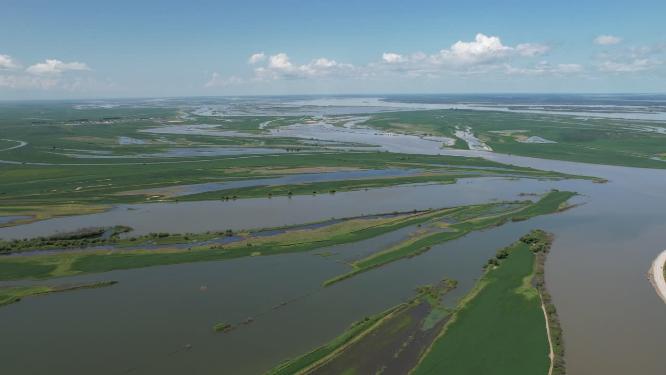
(613,321)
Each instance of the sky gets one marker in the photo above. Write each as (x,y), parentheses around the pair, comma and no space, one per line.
(110,49)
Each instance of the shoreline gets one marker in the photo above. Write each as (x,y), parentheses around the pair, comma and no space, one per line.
(656,275)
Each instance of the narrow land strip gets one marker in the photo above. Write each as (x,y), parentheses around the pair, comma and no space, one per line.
(656,275)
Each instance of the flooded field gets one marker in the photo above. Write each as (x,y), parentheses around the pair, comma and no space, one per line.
(203,216)
(178,191)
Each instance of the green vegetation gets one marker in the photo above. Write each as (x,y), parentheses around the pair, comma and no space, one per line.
(540,243)
(222,327)
(499,328)
(467,219)
(44,191)
(84,160)
(592,140)
(80,238)
(14,294)
(69,263)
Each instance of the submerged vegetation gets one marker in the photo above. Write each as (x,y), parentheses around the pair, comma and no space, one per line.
(455,222)
(464,221)
(392,339)
(13,294)
(222,327)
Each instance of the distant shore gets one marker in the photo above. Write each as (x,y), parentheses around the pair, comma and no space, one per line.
(656,275)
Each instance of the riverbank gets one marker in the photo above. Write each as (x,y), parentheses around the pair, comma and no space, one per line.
(500,326)
(656,275)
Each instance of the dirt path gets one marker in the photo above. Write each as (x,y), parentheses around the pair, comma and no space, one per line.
(551,353)
(656,275)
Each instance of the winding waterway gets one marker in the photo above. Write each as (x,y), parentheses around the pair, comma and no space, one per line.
(159,320)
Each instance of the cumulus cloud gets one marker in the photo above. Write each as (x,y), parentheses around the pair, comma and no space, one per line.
(6,62)
(481,50)
(607,40)
(256,58)
(279,66)
(216,80)
(392,58)
(479,55)
(484,54)
(48,75)
(55,67)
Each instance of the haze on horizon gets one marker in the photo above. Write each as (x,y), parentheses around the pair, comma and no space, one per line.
(79,49)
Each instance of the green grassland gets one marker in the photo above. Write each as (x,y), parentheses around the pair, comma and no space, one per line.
(47,191)
(499,328)
(590,140)
(43,179)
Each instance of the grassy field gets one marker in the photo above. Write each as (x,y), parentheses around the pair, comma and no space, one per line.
(47,191)
(84,160)
(499,328)
(591,140)
(467,220)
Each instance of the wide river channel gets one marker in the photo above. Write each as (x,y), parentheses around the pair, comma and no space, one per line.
(159,320)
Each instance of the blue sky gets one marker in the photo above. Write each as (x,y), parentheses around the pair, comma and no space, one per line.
(89,49)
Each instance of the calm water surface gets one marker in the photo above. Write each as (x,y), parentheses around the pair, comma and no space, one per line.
(612,319)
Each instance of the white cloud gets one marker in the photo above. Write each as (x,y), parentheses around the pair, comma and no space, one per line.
(544,67)
(607,40)
(22,82)
(280,62)
(633,59)
(483,49)
(632,66)
(279,66)
(483,55)
(256,57)
(218,81)
(53,83)
(6,62)
(531,49)
(392,58)
(55,67)
(477,56)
